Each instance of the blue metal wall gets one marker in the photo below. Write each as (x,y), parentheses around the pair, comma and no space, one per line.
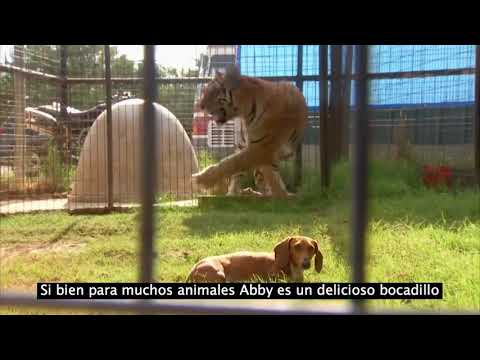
(427,93)
(281,60)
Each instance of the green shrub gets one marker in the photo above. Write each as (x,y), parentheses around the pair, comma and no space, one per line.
(54,172)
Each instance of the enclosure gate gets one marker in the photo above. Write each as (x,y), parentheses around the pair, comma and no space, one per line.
(359,206)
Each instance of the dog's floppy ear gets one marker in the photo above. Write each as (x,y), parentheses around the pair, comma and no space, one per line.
(318,257)
(282,252)
(232,77)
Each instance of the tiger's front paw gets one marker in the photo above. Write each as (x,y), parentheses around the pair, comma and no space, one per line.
(251,192)
(206,178)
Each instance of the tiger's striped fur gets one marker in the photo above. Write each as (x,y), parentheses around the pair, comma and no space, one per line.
(274,117)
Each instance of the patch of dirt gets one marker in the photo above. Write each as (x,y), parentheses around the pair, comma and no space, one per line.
(11,251)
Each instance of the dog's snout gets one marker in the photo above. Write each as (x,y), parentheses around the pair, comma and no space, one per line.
(306,263)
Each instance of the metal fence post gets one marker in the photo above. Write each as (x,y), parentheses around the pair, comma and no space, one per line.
(476,120)
(20,104)
(346,94)
(336,103)
(323,117)
(64,127)
(299,153)
(149,165)
(108,93)
(360,172)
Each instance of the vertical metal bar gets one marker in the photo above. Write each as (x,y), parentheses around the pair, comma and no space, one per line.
(323,115)
(476,125)
(360,162)
(149,165)
(346,102)
(336,103)
(20,92)
(64,123)
(298,155)
(108,93)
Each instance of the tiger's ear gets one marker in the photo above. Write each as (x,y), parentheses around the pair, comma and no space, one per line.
(232,77)
(282,252)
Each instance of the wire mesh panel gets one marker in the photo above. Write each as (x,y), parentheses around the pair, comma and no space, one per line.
(177,157)
(425,114)
(421,98)
(32,137)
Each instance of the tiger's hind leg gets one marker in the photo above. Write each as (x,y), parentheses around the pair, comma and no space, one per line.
(278,179)
(274,185)
(259,180)
(235,186)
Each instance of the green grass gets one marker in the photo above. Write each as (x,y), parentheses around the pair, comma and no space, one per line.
(205,159)
(415,235)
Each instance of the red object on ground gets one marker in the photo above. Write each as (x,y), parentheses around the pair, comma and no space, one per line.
(445,175)
(437,176)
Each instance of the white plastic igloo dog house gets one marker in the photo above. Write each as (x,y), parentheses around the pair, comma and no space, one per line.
(175,156)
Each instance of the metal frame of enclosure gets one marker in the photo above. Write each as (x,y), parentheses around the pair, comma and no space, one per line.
(359,136)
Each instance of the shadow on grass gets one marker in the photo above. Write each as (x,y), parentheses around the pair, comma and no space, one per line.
(396,196)
(217,221)
(61,234)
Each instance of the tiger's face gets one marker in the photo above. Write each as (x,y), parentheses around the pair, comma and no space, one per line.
(217,100)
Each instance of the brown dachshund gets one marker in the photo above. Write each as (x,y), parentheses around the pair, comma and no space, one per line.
(289,259)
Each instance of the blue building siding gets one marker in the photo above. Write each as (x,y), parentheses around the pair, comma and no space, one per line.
(281,60)
(446,100)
